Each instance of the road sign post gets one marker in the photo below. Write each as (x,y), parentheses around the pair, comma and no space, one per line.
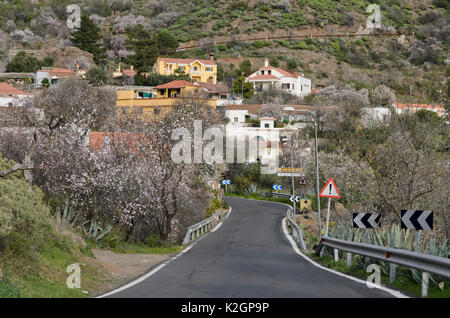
(226,182)
(329,191)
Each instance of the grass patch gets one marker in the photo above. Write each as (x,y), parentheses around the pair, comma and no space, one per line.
(37,267)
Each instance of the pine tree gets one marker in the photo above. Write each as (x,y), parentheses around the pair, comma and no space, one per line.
(87,38)
(145,46)
(167,44)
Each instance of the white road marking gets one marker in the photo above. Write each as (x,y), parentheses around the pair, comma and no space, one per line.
(294,246)
(152,272)
(155,270)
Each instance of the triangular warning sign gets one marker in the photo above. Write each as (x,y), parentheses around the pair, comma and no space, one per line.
(330,190)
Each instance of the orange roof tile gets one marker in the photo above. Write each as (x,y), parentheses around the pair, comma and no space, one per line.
(129,73)
(175,84)
(263,77)
(6,89)
(420,106)
(285,73)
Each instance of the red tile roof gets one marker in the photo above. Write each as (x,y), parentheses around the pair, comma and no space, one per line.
(285,73)
(175,84)
(6,89)
(123,141)
(130,73)
(185,61)
(419,106)
(263,77)
(59,72)
(214,88)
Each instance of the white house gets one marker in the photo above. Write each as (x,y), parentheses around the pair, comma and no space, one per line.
(375,116)
(11,96)
(268,76)
(401,108)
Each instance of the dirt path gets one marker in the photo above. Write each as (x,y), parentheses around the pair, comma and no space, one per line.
(124,267)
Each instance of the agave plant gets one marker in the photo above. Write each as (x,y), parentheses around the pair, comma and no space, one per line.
(252,188)
(96,232)
(393,237)
(68,216)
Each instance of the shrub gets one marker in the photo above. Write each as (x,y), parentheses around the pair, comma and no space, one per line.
(23,63)
(300,45)
(48,61)
(258,44)
(21,208)
(214,205)
(96,76)
(292,64)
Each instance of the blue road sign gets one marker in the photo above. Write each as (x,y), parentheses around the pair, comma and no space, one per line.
(226,181)
(277,187)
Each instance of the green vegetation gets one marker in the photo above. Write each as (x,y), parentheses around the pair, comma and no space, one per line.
(87,38)
(23,63)
(33,254)
(96,76)
(246,88)
(145,45)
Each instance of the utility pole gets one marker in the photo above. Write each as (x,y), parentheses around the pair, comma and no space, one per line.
(292,171)
(316,123)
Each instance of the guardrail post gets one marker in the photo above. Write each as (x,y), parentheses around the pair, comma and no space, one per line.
(425,283)
(349,260)
(336,255)
(392,272)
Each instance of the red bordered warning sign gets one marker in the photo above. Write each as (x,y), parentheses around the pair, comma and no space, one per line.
(330,190)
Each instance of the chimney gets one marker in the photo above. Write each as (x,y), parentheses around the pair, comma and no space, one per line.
(78,67)
(211,56)
(131,67)
(266,62)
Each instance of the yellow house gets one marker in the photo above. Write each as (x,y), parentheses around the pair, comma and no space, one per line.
(159,100)
(204,71)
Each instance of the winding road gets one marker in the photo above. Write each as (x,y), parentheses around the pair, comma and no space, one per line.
(248,256)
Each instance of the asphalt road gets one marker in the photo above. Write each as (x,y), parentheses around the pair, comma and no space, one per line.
(248,256)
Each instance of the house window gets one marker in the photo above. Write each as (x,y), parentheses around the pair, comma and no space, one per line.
(262,72)
(266,125)
(269,72)
(223,96)
(236,119)
(301,88)
(157,110)
(195,68)
(293,86)
(209,69)
(285,86)
(181,68)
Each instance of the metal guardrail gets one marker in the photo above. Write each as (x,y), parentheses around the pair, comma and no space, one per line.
(394,256)
(424,262)
(297,232)
(194,231)
(276,194)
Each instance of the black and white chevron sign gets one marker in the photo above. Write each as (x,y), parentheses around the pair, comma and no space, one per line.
(367,220)
(417,219)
